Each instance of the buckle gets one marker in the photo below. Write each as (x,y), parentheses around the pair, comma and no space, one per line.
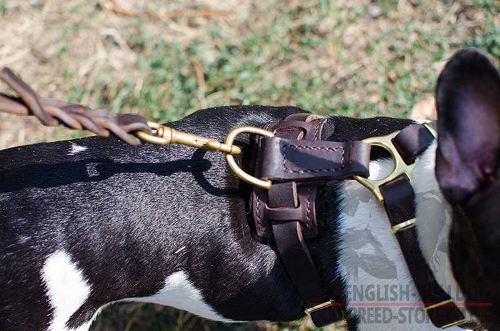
(164,135)
(260,183)
(449,325)
(400,167)
(403,226)
(437,305)
(321,306)
(440,304)
(339,319)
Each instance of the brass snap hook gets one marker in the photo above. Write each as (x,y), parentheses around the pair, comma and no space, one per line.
(400,167)
(164,135)
(260,183)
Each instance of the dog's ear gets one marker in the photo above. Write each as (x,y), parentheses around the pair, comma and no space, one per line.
(468,105)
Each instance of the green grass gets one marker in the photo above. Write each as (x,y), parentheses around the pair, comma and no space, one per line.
(328,57)
(279,63)
(147,317)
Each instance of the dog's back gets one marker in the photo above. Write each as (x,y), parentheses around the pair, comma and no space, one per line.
(97,211)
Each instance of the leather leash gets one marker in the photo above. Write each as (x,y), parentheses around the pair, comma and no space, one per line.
(130,128)
(52,112)
(292,162)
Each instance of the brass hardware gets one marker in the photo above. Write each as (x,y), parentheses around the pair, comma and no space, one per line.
(403,226)
(459,322)
(436,305)
(260,183)
(341,323)
(323,305)
(400,167)
(440,304)
(163,135)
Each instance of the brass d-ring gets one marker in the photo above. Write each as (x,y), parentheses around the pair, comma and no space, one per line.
(400,167)
(261,183)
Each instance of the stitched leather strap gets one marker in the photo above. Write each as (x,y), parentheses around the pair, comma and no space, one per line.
(412,141)
(399,202)
(297,154)
(288,210)
(295,254)
(306,161)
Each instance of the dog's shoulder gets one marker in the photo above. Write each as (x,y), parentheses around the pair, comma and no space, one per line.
(350,129)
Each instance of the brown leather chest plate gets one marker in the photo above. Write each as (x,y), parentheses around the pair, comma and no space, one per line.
(300,126)
(297,154)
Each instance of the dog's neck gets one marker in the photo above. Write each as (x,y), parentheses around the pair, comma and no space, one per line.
(370,259)
(433,220)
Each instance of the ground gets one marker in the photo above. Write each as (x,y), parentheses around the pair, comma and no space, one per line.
(350,57)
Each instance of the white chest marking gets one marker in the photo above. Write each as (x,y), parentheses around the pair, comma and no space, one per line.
(66,287)
(380,287)
(179,292)
(75,149)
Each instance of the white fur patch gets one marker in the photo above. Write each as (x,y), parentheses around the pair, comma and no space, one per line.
(75,149)
(380,288)
(179,292)
(66,287)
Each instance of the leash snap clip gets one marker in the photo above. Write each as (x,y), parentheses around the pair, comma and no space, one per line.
(164,135)
(260,183)
(400,168)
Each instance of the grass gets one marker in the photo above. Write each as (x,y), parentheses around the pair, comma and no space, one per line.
(356,58)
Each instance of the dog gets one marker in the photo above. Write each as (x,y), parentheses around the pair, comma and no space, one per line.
(89,222)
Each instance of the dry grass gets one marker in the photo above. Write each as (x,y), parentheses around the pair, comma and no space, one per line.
(352,57)
(167,59)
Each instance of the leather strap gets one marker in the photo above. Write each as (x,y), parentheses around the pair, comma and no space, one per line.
(52,112)
(297,162)
(297,154)
(288,210)
(309,161)
(412,141)
(399,202)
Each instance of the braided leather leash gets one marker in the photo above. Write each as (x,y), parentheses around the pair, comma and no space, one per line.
(130,128)
(52,112)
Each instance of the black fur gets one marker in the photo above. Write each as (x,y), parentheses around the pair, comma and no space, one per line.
(123,211)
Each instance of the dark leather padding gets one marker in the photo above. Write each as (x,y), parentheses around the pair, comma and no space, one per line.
(309,161)
(412,141)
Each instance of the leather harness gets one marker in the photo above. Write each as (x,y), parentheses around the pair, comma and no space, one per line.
(297,162)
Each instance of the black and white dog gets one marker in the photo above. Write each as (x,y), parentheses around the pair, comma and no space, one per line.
(89,222)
